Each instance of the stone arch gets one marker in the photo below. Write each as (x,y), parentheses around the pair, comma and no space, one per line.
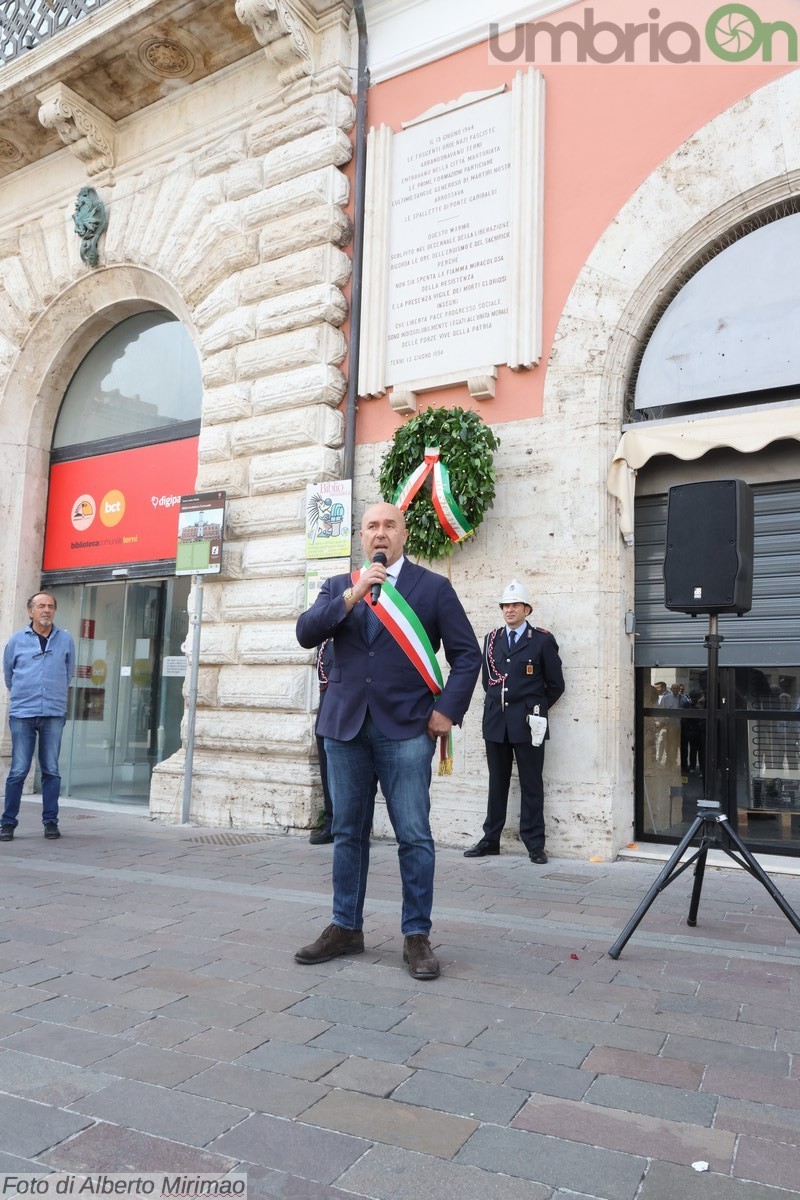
(705,188)
(55,343)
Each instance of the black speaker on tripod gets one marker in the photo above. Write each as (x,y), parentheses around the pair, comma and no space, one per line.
(708,565)
(708,568)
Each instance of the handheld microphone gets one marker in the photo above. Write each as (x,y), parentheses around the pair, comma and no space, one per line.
(375,590)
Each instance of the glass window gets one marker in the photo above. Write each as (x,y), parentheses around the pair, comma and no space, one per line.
(758,752)
(142,375)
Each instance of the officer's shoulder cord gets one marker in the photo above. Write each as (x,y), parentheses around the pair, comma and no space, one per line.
(495,676)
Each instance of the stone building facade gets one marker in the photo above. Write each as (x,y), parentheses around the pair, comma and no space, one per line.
(226,170)
(227,198)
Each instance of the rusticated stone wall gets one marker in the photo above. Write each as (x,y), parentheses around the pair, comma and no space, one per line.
(233,217)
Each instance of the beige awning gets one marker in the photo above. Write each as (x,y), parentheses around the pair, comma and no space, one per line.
(744,431)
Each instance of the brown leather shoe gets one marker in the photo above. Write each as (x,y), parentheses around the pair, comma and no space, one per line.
(422,962)
(331,942)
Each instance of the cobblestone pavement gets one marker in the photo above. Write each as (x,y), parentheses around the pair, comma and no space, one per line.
(152,1018)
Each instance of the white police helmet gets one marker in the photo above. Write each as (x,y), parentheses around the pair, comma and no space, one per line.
(516,593)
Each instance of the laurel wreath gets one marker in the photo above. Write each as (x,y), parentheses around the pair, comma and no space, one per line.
(466,445)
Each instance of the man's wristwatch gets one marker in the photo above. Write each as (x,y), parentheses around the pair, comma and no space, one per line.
(349,596)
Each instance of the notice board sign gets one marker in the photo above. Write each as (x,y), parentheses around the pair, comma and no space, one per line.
(201,520)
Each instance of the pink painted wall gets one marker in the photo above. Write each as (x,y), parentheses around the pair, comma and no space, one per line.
(607,128)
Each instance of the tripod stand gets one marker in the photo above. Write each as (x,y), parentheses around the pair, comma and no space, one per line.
(712,826)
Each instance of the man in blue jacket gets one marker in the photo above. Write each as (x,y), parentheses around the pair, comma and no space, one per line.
(384,711)
(38,664)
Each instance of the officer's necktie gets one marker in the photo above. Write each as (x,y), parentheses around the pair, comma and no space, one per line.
(512,638)
(371,624)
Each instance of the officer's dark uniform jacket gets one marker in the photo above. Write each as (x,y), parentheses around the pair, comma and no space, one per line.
(534,677)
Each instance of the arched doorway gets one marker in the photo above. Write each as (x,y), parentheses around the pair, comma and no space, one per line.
(124,450)
(716,397)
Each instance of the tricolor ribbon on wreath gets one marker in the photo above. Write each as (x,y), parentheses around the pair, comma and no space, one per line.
(451,518)
(402,623)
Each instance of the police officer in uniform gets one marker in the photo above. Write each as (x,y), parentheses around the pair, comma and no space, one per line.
(522,677)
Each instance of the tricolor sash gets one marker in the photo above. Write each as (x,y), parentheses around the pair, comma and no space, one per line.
(398,617)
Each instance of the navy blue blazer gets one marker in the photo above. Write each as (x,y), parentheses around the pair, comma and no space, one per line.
(380,677)
(533,677)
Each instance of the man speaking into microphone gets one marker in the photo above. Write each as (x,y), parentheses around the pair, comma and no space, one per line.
(385,708)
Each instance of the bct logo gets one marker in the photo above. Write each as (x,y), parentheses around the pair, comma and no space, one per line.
(112,508)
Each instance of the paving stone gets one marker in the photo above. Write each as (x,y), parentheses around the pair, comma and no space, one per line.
(29,1129)
(555,1162)
(667,1181)
(33,973)
(396,1174)
(468,1063)
(389,1121)
(287,1058)
(769,1162)
(221,1044)
(106,1147)
(264,1182)
(292,1147)
(207,1011)
(147,999)
(635,1096)
(162,1031)
(734,1032)
(49,1082)
(629,1132)
(537,1046)
(608,1060)
(701,1050)
(364,1075)
(283,1027)
(267,999)
(346,1012)
(63,1044)
(768,1121)
(350,984)
(487,1102)
(196,1121)
(261,1091)
(750,1085)
(10,1164)
(369,1043)
(13,1023)
(598,1033)
(16,1000)
(546,1079)
(151,1065)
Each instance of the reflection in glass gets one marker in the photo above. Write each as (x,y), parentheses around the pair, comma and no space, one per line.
(125,708)
(144,374)
(759,752)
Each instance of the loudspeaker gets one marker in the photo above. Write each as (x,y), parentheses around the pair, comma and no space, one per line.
(708,565)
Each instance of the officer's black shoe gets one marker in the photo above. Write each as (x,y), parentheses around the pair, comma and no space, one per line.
(538,856)
(482,849)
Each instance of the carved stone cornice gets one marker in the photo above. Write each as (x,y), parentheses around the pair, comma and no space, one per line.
(285,30)
(89,133)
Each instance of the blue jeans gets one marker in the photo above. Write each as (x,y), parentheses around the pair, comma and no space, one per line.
(404,771)
(24,731)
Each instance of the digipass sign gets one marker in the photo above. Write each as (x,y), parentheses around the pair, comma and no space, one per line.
(116,509)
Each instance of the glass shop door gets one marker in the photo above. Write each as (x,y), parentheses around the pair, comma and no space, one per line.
(125,710)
